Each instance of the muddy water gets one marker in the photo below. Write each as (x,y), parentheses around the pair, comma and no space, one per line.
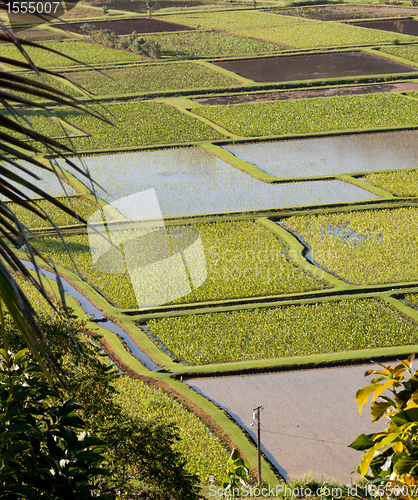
(309,418)
(332,155)
(307,94)
(404,26)
(192,181)
(303,67)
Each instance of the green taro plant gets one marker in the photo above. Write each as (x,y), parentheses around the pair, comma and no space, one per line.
(373,246)
(243,259)
(209,43)
(206,455)
(305,116)
(282,332)
(285,30)
(133,127)
(86,52)
(149,78)
(401,183)
(409,52)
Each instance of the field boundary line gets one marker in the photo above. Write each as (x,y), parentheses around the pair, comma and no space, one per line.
(297,251)
(238,163)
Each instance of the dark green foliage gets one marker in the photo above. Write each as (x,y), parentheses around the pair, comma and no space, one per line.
(134,42)
(44,451)
(138,455)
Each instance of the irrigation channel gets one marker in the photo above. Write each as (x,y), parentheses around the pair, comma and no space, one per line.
(309,417)
(90,309)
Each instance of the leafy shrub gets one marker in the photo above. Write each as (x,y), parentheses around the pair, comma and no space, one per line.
(45,451)
(134,43)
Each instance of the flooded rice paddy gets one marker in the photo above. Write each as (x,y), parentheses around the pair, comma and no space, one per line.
(404,26)
(332,155)
(303,67)
(192,181)
(309,418)
(49,181)
(346,12)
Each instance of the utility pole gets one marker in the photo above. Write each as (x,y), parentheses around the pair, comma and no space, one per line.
(256,418)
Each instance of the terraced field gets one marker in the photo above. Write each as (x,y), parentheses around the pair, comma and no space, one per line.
(276,333)
(362,248)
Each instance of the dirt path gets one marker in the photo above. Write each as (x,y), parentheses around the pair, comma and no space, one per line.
(309,417)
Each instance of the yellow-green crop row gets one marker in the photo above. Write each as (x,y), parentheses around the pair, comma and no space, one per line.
(323,114)
(87,53)
(363,247)
(282,332)
(409,52)
(136,123)
(399,183)
(204,452)
(243,259)
(34,119)
(82,207)
(412,298)
(286,30)
(150,78)
(209,43)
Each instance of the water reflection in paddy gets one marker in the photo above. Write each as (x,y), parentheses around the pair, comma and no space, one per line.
(193,181)
(332,155)
(49,181)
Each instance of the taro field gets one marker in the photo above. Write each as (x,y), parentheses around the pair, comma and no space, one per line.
(253,260)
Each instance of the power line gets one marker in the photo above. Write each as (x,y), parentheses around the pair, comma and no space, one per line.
(303,437)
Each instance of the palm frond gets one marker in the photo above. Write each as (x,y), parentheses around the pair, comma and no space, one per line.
(20,141)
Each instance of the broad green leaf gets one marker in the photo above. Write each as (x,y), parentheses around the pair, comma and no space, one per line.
(362,442)
(406,464)
(379,448)
(382,388)
(406,416)
(14,450)
(378,409)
